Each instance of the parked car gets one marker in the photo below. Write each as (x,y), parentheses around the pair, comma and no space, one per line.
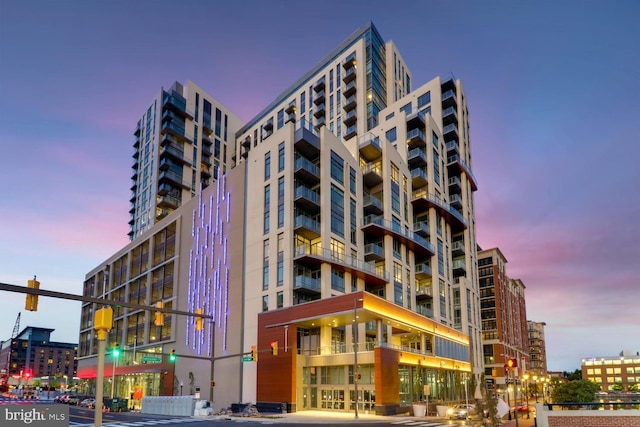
(461,411)
(89,403)
(521,407)
(73,400)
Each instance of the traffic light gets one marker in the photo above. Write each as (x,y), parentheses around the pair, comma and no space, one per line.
(254,353)
(358,376)
(199,319)
(511,363)
(32,300)
(116,350)
(159,316)
(274,348)
(172,355)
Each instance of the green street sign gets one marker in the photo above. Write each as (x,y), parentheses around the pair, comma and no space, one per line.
(152,359)
(247,359)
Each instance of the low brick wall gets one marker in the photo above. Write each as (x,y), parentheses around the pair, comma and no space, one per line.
(587,418)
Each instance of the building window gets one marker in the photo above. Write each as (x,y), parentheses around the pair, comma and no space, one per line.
(281,202)
(436,167)
(354,225)
(265,303)
(434,139)
(337,168)
(337,210)
(337,280)
(440,258)
(424,99)
(280,299)
(280,118)
(281,157)
(280,260)
(267,165)
(303,104)
(267,202)
(265,265)
(391,135)
(218,122)
(352,180)
(407,109)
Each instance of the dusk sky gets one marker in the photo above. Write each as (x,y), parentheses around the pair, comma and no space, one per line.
(553,91)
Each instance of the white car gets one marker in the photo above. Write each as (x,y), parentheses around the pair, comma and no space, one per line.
(461,411)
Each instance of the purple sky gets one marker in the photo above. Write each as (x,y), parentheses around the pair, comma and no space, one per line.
(553,90)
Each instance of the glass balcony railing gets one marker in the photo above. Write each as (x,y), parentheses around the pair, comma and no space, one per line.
(343,259)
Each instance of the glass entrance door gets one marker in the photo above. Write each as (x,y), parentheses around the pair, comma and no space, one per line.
(332,399)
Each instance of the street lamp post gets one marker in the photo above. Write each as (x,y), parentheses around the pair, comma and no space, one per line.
(355,352)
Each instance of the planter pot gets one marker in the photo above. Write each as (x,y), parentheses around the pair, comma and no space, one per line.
(419,410)
(442,410)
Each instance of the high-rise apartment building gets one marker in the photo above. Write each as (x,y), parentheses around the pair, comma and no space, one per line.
(504,317)
(344,229)
(537,348)
(182,141)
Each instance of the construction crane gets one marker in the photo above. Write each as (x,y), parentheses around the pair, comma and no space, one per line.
(16,327)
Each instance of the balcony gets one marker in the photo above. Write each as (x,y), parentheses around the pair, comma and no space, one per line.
(307,199)
(306,171)
(416,158)
(349,89)
(449,116)
(418,178)
(306,284)
(138,129)
(206,124)
(291,117)
(132,208)
(319,84)
(350,132)
(177,105)
(172,177)
(425,311)
(306,143)
(168,201)
(450,132)
(373,252)
(319,98)
(349,75)
(268,125)
(452,148)
(421,228)
(351,117)
(459,268)
(457,248)
(456,201)
(161,213)
(422,270)
(246,143)
(320,111)
(454,185)
(424,292)
(422,201)
(371,173)
(415,120)
(454,162)
(176,131)
(316,255)
(448,82)
(416,139)
(307,227)
(349,103)
(369,146)
(205,173)
(136,143)
(319,123)
(132,199)
(372,205)
(176,152)
(165,163)
(349,62)
(378,226)
(165,188)
(449,99)
(291,108)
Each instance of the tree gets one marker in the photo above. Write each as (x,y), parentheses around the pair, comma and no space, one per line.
(575,391)
(488,403)
(573,376)
(617,386)
(634,387)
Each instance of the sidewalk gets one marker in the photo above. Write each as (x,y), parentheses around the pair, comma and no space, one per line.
(522,422)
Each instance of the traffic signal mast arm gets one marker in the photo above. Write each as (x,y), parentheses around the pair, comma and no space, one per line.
(99,301)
